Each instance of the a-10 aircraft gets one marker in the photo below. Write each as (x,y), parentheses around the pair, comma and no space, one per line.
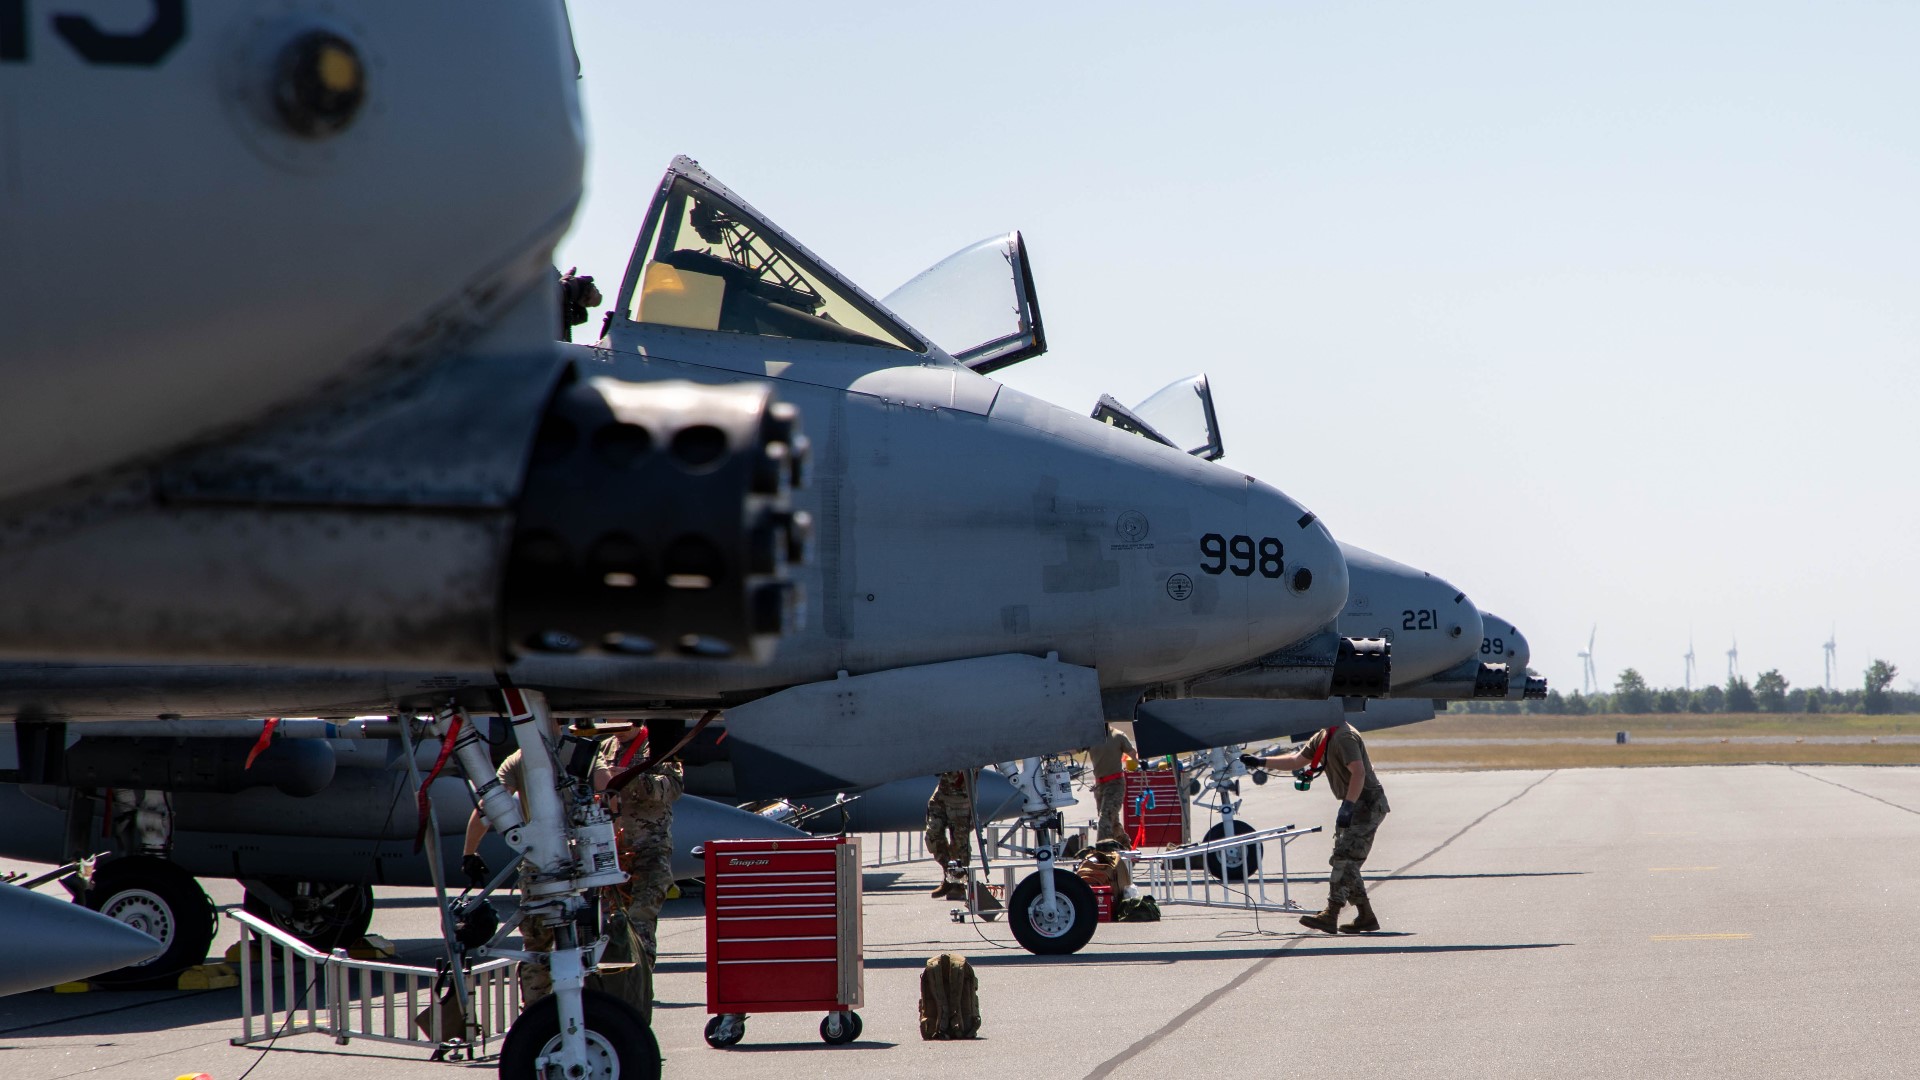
(1093,560)
(370,471)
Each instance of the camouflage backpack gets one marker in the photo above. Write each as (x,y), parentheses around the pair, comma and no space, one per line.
(949,999)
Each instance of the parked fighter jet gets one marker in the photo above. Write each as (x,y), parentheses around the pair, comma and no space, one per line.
(1086,551)
(1091,558)
(1502,642)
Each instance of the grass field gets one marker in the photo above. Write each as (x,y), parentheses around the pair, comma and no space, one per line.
(1530,742)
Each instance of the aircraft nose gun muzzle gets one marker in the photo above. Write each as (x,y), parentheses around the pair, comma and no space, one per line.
(1491,681)
(1363,667)
(1536,687)
(655,521)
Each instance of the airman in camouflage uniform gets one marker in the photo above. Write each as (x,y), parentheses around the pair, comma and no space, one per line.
(643,815)
(536,981)
(1108,759)
(1363,806)
(950,832)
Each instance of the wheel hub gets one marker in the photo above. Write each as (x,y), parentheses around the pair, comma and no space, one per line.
(602,1062)
(145,912)
(1051,920)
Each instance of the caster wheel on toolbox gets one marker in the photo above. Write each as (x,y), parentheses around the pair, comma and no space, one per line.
(840,1028)
(727,1029)
(1232,864)
(1064,928)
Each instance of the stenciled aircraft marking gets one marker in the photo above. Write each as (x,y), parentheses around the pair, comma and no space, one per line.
(142,48)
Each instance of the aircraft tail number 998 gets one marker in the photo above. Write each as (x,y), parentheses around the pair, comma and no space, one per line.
(140,48)
(1242,555)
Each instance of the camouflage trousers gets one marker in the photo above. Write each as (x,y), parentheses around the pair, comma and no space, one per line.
(536,981)
(1109,798)
(1351,846)
(652,878)
(950,831)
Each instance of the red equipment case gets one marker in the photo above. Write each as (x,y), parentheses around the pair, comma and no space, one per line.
(783,933)
(1153,800)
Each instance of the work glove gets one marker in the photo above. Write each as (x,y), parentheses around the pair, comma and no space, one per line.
(1345,817)
(475,868)
(1252,762)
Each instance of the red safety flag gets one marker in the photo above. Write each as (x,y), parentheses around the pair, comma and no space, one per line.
(422,799)
(266,738)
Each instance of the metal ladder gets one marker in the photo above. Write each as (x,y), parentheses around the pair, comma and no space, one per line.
(364,999)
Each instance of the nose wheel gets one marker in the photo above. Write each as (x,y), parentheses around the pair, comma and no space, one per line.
(1053,928)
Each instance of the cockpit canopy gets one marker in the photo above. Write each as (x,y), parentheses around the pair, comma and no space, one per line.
(707,261)
(1179,414)
(979,304)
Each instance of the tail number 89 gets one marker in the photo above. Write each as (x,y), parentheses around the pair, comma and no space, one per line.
(1242,555)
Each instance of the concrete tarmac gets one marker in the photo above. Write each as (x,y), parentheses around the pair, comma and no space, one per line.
(1683,922)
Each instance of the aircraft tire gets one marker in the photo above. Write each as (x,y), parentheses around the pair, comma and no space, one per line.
(619,1042)
(1223,868)
(334,925)
(156,896)
(1063,931)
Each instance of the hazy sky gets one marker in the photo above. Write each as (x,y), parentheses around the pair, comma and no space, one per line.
(1605,313)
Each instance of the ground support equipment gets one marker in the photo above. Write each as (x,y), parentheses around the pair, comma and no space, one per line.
(784,934)
(1183,875)
(1154,815)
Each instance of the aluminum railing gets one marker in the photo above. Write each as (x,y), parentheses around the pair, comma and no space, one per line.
(365,999)
(1186,875)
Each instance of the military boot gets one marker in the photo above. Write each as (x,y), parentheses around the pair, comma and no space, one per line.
(942,891)
(1363,920)
(1327,922)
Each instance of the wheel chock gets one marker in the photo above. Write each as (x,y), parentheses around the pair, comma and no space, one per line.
(372,947)
(208,977)
(673,891)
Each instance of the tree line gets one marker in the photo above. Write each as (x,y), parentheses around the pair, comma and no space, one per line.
(1769,693)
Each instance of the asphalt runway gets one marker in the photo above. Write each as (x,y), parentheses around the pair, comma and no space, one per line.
(1677,922)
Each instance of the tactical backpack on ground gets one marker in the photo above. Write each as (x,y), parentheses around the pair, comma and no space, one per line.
(949,999)
(1141,908)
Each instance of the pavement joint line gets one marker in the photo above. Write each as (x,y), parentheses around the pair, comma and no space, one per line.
(1442,845)
(1855,790)
(1107,1067)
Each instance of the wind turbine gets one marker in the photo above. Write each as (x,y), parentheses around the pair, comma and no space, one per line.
(1689,659)
(1588,678)
(1733,659)
(1833,661)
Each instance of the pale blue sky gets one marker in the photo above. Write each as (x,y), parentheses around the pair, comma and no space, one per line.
(1605,313)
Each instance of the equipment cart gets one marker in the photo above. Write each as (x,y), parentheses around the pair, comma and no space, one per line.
(783,934)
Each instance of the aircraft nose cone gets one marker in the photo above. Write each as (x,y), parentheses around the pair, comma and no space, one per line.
(48,941)
(1311,586)
(1432,624)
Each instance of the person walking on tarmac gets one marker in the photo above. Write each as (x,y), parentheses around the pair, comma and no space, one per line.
(1109,758)
(1341,752)
(950,832)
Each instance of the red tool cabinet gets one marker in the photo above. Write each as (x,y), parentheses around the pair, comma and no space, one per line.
(1153,800)
(783,933)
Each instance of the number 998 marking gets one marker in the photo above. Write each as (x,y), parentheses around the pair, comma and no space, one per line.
(1242,555)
